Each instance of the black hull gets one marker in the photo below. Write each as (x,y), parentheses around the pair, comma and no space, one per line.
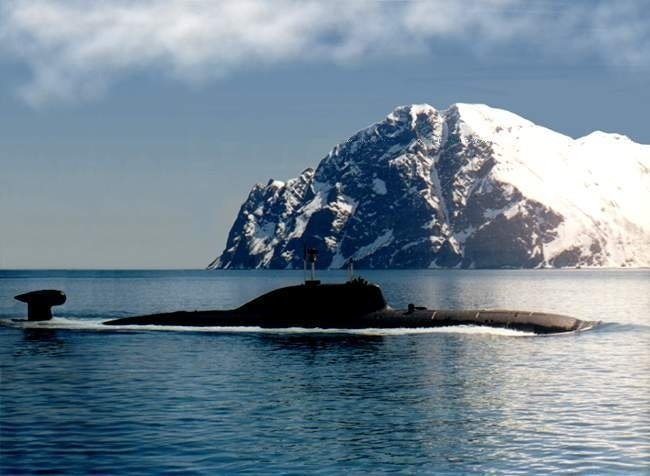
(539,323)
(353,305)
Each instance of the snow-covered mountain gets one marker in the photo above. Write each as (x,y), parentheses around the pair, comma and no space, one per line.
(471,186)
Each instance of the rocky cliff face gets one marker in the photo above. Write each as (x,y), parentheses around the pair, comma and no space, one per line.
(470,187)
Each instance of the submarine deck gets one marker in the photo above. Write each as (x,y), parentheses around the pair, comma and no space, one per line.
(537,322)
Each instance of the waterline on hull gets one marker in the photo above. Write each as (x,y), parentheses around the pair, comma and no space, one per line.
(63,323)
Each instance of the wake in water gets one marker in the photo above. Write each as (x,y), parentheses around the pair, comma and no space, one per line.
(63,323)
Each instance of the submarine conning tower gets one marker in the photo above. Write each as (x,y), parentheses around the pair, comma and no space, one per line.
(39,303)
(356,297)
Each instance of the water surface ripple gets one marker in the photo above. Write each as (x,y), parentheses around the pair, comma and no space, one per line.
(80,401)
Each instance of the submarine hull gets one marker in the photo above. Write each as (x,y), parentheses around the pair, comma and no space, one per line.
(356,304)
(537,322)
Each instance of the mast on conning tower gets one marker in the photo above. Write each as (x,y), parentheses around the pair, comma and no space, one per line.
(311,255)
(350,266)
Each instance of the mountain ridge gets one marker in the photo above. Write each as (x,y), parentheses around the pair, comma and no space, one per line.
(470,186)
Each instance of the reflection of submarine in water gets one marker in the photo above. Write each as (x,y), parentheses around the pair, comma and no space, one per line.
(355,304)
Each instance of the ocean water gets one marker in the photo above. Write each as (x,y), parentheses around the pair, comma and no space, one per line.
(77,398)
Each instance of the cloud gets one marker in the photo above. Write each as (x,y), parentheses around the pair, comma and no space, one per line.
(75,49)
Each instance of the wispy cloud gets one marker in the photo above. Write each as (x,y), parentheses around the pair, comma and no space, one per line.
(77,48)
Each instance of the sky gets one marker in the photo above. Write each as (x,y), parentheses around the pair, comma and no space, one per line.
(131,132)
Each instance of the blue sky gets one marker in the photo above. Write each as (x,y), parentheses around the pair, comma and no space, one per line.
(130,133)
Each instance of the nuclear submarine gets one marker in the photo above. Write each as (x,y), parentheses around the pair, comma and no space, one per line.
(355,304)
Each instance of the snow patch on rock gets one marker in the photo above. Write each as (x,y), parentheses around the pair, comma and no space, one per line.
(379,186)
(470,186)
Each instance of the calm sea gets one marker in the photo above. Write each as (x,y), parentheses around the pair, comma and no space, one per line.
(77,398)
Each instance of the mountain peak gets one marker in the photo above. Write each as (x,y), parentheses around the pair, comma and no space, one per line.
(484,120)
(471,186)
(605,136)
(409,113)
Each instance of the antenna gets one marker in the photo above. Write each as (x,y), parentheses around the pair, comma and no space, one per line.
(350,269)
(311,255)
(304,262)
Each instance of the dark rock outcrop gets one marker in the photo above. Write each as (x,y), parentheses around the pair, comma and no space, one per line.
(468,187)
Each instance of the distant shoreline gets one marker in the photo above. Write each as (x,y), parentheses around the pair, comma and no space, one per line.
(584,268)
